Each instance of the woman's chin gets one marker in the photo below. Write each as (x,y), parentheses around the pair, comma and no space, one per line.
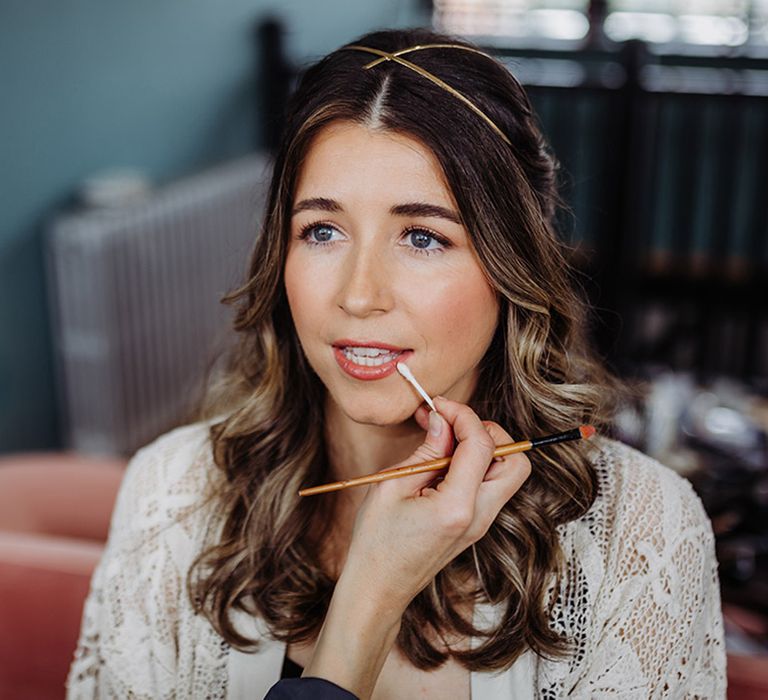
(380,414)
(382,420)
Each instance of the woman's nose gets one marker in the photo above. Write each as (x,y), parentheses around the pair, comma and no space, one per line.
(365,284)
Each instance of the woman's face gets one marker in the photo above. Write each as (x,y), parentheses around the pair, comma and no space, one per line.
(379,260)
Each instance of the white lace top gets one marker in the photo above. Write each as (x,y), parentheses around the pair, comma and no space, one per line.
(641,599)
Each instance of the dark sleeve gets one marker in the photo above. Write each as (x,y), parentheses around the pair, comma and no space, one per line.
(308,688)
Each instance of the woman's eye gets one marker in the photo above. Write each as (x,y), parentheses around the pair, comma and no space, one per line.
(422,241)
(317,234)
(419,240)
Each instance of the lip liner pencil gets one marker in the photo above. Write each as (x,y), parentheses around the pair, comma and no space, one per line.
(582,432)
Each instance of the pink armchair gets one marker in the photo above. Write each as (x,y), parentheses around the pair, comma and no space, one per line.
(54,519)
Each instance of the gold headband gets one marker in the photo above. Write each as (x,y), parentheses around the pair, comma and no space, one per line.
(385,56)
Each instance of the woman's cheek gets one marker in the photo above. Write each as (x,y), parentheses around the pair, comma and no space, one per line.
(304,277)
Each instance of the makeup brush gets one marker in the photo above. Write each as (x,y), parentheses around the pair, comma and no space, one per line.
(583,432)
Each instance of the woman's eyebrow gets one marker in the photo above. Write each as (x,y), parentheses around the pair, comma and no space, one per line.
(407,209)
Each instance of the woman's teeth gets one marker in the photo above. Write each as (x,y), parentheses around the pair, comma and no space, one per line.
(370,357)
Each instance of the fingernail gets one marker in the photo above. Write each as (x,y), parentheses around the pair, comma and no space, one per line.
(435,423)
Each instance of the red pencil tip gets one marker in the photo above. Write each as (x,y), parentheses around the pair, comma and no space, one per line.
(587,431)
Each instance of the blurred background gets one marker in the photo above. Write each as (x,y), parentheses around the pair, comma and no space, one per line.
(134,150)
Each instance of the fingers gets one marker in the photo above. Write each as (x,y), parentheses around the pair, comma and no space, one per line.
(500,437)
(438,442)
(422,416)
(474,451)
(502,480)
(474,461)
(473,473)
(501,465)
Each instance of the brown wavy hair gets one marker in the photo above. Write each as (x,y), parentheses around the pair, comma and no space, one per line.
(538,376)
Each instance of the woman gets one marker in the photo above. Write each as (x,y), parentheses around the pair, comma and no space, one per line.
(410,217)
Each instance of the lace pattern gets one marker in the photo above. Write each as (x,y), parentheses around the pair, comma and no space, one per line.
(139,637)
(640,597)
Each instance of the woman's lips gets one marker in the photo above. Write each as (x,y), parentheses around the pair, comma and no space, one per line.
(367,373)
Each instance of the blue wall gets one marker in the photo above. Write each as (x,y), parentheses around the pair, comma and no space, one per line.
(165,86)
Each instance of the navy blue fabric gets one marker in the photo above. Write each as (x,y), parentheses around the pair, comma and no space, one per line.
(308,688)
(291,669)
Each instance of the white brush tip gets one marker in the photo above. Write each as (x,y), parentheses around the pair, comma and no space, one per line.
(408,375)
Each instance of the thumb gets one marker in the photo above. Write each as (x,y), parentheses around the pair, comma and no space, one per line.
(438,442)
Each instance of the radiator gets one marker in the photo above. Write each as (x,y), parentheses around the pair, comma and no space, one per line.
(134,297)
